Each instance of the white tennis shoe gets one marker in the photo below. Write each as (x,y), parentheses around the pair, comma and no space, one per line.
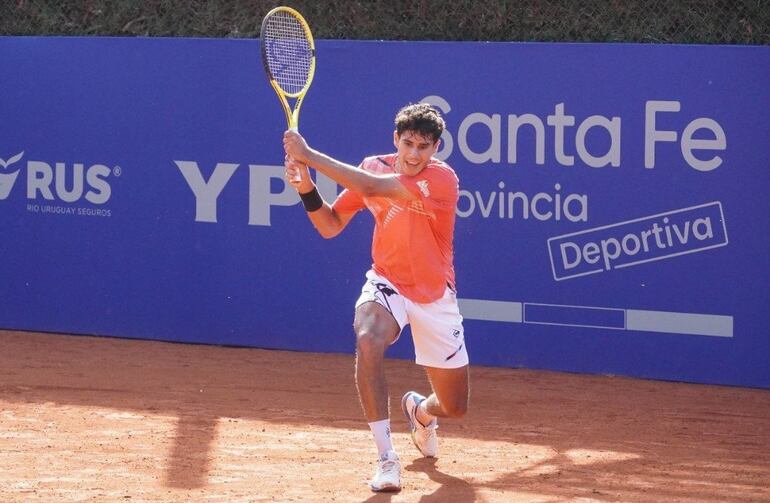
(424,437)
(387,478)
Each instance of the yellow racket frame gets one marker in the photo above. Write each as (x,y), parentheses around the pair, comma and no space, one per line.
(292,116)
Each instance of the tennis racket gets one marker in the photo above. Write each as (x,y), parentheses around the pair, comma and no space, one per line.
(288,53)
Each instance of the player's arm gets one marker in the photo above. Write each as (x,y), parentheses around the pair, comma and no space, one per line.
(327,221)
(365,183)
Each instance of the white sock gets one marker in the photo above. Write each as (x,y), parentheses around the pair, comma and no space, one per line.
(381,432)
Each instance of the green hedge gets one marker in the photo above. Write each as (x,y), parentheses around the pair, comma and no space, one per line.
(659,21)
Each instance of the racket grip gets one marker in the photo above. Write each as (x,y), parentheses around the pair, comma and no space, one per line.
(296,178)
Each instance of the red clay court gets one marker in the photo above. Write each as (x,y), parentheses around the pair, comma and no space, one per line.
(101,419)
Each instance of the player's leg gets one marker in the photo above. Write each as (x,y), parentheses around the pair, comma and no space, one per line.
(439,345)
(449,399)
(380,316)
(375,329)
(450,395)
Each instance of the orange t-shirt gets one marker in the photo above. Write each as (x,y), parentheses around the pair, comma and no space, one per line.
(412,242)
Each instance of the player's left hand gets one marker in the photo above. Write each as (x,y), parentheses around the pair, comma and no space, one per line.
(295,146)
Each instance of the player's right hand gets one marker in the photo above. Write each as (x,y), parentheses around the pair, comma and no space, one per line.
(297,175)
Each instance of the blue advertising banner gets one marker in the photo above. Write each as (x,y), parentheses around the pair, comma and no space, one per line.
(612,215)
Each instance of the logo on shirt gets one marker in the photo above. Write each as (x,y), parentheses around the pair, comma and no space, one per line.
(392,212)
(423,186)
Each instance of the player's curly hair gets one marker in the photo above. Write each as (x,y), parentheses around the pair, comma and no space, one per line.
(420,118)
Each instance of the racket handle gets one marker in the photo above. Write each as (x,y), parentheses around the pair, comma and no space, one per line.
(296,178)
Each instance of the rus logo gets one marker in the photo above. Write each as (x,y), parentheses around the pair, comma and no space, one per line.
(59,181)
(8,174)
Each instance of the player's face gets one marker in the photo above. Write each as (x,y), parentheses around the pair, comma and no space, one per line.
(414,151)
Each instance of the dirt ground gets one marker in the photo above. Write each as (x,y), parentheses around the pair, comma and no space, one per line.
(100,419)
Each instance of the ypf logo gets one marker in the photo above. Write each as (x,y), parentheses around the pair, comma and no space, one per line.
(8,174)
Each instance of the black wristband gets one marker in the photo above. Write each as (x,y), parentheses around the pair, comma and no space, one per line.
(312,200)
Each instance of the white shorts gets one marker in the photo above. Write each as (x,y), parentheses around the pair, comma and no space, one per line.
(437,327)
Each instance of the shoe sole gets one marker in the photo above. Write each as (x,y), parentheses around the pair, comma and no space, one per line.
(386,489)
(404,409)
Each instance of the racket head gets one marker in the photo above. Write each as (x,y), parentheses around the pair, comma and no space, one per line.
(288,51)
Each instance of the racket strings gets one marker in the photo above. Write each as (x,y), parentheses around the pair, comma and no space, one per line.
(288,50)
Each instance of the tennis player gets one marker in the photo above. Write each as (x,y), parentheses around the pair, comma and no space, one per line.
(413,197)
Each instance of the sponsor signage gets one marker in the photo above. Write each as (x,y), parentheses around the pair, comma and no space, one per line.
(611,218)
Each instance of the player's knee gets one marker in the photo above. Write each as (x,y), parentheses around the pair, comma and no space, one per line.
(370,343)
(455,408)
